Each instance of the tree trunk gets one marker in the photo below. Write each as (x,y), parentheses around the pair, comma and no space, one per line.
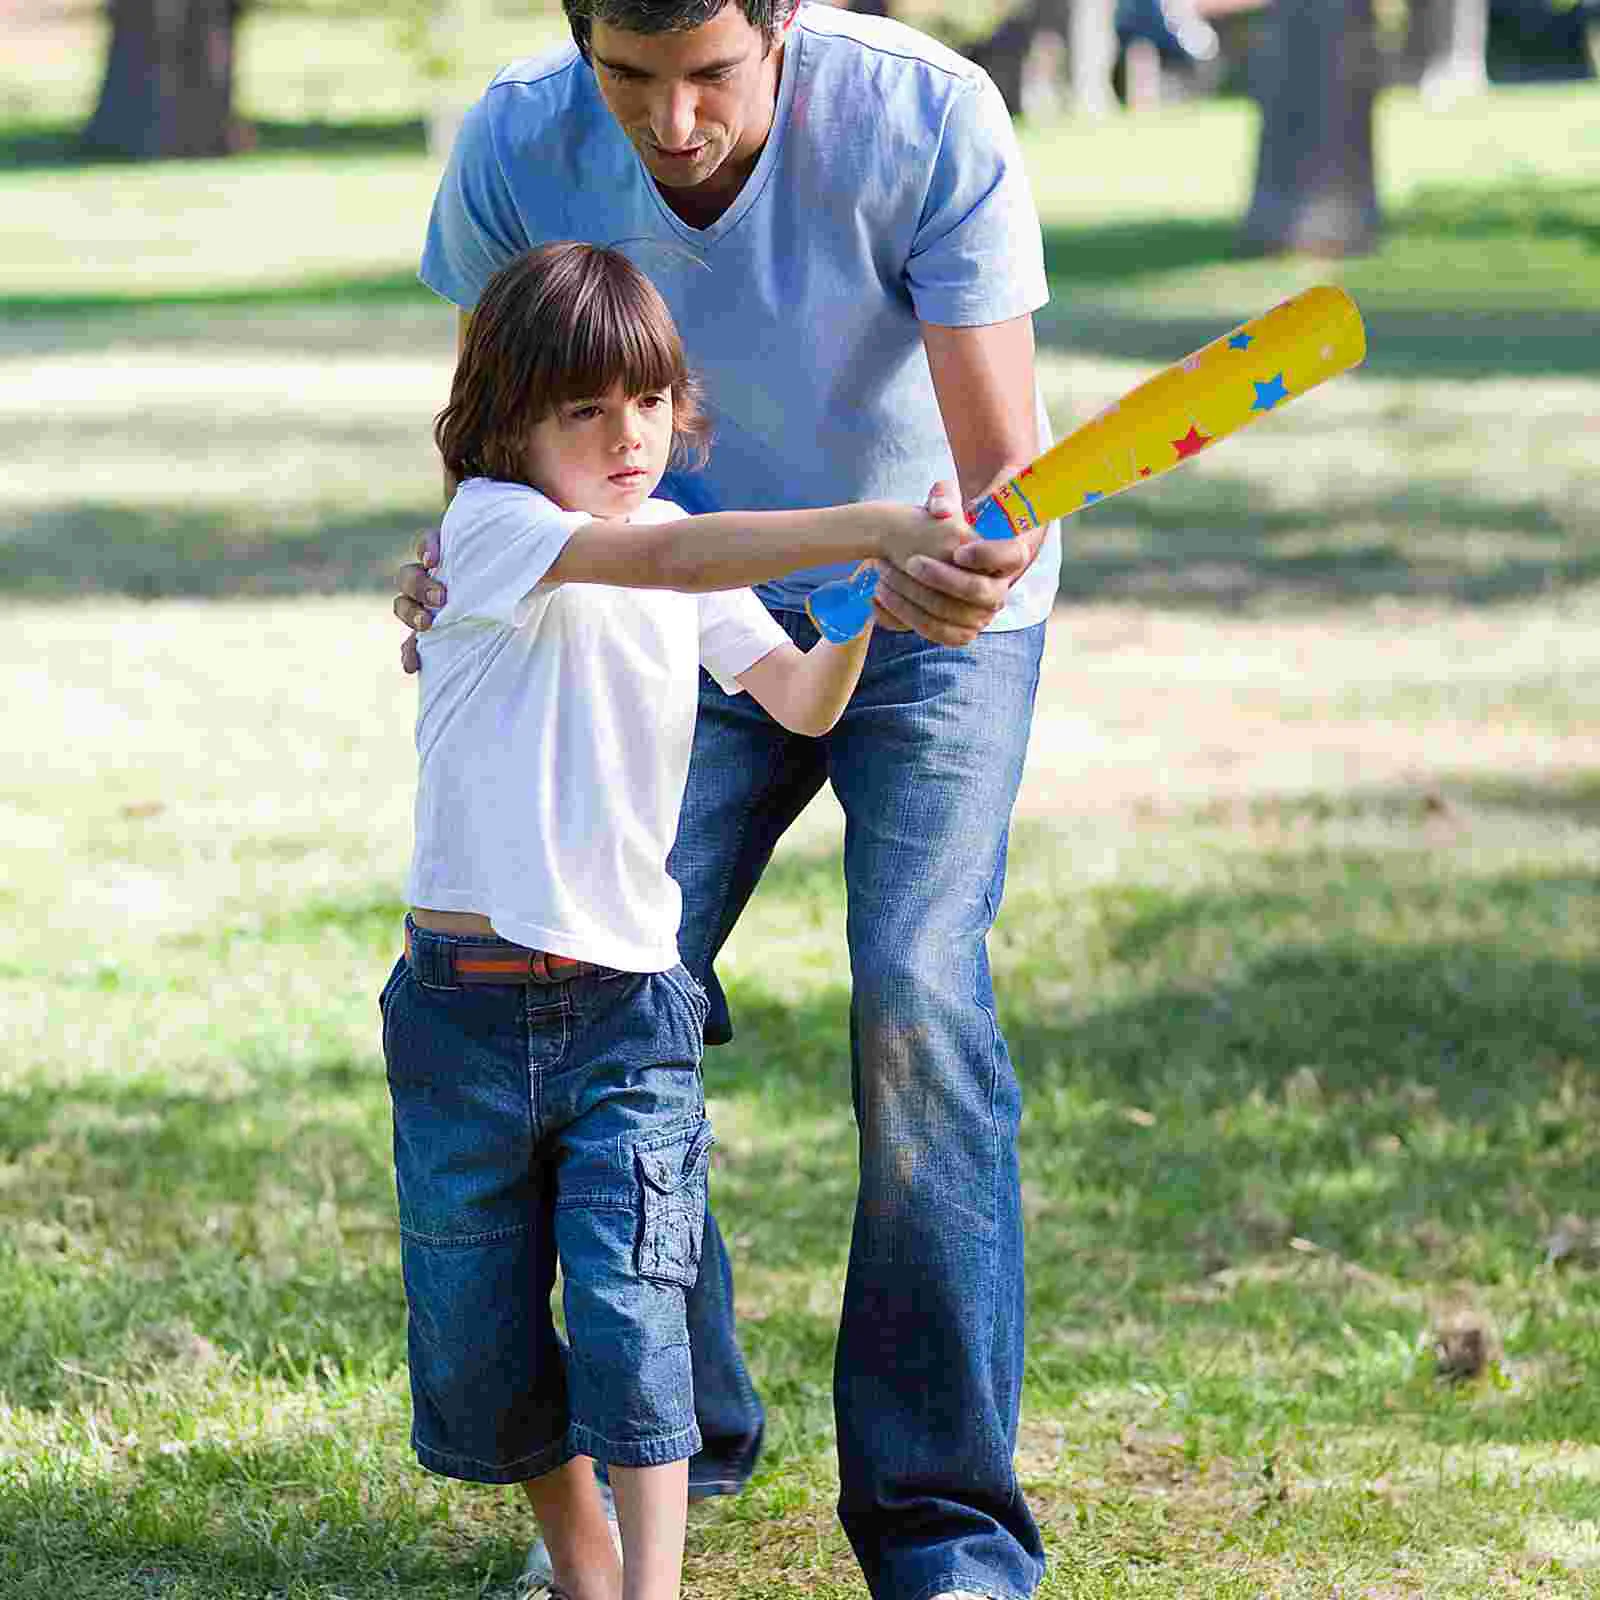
(1092,49)
(1316,190)
(1025,53)
(1447,46)
(168,85)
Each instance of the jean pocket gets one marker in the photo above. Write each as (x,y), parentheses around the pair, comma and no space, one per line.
(672,1193)
(396,973)
(684,982)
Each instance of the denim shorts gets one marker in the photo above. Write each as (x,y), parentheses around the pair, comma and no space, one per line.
(537,1124)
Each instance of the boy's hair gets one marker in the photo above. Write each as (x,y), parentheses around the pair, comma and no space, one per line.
(562,322)
(768,17)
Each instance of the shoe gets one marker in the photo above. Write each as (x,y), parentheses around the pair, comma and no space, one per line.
(538,1576)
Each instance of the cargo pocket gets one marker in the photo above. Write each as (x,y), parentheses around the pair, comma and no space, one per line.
(672,1192)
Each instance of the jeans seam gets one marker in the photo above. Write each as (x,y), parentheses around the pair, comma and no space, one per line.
(675,1446)
(459,1465)
(535,1072)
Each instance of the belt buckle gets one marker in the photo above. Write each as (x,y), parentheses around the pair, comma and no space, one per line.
(538,967)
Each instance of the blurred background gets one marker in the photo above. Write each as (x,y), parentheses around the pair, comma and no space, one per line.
(1300,956)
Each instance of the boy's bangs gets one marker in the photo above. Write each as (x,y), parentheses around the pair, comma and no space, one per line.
(619,339)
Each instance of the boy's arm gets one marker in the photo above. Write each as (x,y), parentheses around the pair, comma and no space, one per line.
(807,690)
(735,549)
(451,481)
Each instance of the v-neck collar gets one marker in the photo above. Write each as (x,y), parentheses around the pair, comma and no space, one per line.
(760,174)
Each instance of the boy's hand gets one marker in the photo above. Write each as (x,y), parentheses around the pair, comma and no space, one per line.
(934,529)
(930,594)
(421,594)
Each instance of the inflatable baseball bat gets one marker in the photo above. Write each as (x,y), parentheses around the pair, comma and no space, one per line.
(1167,420)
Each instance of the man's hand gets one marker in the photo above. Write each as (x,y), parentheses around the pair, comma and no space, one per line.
(952,602)
(421,594)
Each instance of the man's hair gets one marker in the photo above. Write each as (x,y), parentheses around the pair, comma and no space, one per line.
(563,322)
(767,17)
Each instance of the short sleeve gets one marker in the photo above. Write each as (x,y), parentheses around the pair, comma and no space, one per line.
(497,543)
(474,228)
(736,631)
(978,254)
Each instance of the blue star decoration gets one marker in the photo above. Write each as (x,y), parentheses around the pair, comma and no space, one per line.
(1092,495)
(1241,341)
(1269,394)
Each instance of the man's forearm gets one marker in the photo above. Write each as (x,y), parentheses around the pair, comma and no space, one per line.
(984,381)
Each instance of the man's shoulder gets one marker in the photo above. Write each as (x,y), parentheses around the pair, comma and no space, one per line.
(882,45)
(551,69)
(551,93)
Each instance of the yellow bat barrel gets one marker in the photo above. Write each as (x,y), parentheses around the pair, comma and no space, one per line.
(1185,410)
(1169,419)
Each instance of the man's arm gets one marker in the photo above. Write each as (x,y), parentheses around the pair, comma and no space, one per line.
(984,380)
(421,594)
(463,322)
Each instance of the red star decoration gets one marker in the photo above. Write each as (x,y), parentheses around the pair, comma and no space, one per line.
(1192,443)
(1144,472)
(1027,472)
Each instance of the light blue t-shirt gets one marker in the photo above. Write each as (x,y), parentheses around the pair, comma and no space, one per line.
(891,192)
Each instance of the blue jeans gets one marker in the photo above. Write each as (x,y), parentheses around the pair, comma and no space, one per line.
(928,1372)
(535,1123)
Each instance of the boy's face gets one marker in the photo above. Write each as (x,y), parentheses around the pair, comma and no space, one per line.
(697,104)
(603,455)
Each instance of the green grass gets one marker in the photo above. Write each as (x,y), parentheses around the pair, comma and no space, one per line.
(1300,958)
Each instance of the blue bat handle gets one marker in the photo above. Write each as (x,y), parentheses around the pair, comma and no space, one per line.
(841,609)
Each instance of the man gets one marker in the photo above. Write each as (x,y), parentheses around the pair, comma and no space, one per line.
(835,210)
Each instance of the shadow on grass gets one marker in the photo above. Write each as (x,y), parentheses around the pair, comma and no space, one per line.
(1453,345)
(377,288)
(1419,1102)
(149,553)
(1113,253)
(1208,545)
(1525,209)
(1440,213)
(1568,797)
(56,146)
(1495,338)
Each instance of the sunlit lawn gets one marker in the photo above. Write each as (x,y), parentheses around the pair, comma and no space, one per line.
(1300,957)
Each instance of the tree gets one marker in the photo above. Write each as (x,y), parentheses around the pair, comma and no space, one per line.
(1023,55)
(167,89)
(1447,46)
(1316,189)
(168,84)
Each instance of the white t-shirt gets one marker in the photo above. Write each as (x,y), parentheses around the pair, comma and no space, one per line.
(553,733)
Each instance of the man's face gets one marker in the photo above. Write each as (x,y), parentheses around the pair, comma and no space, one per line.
(696,103)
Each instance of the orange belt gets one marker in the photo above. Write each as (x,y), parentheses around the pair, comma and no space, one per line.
(510,963)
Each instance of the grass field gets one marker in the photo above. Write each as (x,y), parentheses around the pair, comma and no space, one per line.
(1300,957)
